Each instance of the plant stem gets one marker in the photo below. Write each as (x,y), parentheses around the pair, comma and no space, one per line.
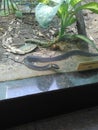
(42,43)
(62,29)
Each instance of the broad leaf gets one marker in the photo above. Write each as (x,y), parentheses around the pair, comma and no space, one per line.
(93,6)
(44,1)
(75,2)
(63,9)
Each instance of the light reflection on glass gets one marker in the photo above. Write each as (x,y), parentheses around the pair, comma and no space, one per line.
(20,88)
(11,89)
(53,85)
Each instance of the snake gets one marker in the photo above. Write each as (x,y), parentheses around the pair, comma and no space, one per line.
(30,60)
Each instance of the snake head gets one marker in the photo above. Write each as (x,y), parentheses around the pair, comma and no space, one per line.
(55,66)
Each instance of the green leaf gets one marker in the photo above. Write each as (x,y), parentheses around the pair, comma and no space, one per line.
(86,39)
(63,9)
(67,1)
(8,7)
(75,2)
(71,21)
(93,6)
(13,5)
(18,14)
(4,13)
(44,1)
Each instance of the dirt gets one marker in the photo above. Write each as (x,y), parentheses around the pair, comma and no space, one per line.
(19,30)
(28,28)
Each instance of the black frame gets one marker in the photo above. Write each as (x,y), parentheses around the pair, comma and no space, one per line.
(23,109)
(31,107)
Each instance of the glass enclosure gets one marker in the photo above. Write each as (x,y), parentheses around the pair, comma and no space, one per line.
(47,45)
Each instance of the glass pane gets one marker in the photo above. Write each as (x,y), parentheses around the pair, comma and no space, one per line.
(42,37)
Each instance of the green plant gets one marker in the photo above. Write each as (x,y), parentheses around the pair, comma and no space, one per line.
(8,7)
(66,10)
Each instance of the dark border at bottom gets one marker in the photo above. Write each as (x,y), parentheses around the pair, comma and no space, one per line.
(34,107)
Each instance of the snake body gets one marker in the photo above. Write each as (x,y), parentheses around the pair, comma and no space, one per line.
(29,60)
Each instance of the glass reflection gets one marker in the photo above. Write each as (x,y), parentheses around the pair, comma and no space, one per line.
(11,89)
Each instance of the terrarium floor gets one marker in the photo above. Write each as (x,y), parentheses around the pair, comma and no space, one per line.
(10,70)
